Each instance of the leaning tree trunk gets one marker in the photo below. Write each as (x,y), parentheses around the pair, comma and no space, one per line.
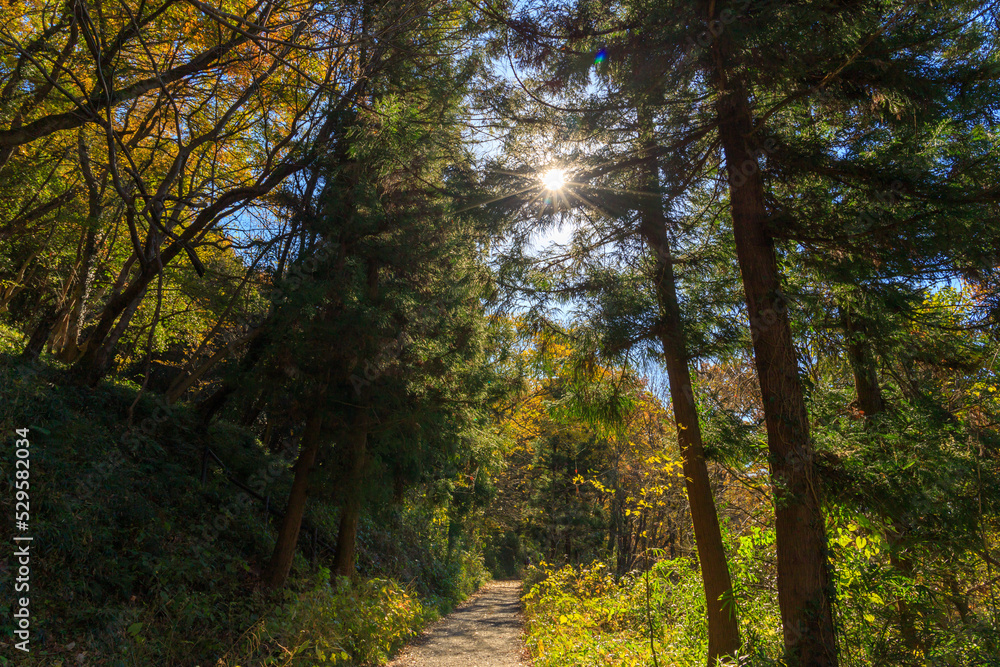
(723,628)
(350,510)
(182,382)
(50,320)
(280,565)
(58,333)
(804,590)
(99,348)
(17,285)
(36,343)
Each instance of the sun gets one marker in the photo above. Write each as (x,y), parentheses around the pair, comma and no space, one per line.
(554,179)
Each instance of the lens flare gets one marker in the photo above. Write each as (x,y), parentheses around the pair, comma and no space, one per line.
(554,179)
(601,56)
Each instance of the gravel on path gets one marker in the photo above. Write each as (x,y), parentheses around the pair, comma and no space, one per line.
(484,631)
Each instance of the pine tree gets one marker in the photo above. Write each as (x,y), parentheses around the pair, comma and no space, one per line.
(389,328)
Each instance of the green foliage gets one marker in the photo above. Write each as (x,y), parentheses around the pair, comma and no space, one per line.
(335,623)
(10,339)
(586,617)
(144,565)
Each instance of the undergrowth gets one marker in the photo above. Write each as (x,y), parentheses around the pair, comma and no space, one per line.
(137,563)
(334,623)
(584,616)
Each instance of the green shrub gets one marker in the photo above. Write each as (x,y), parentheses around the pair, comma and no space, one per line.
(585,617)
(335,623)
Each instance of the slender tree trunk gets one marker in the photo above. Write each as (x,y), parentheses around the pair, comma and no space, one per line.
(272,433)
(958,599)
(871,403)
(99,346)
(723,628)
(350,510)
(74,323)
(43,332)
(863,365)
(454,530)
(252,411)
(804,591)
(616,518)
(209,406)
(184,376)
(16,285)
(553,530)
(280,565)
(95,205)
(902,564)
(58,336)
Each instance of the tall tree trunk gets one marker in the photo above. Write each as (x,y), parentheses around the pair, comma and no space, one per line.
(723,628)
(125,298)
(350,510)
(804,591)
(58,333)
(902,564)
(280,565)
(49,321)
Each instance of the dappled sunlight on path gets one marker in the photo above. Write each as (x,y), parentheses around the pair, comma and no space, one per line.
(484,631)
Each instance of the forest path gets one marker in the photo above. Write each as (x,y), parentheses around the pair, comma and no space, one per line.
(483,631)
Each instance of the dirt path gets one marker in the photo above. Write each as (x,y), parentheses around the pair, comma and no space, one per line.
(484,631)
